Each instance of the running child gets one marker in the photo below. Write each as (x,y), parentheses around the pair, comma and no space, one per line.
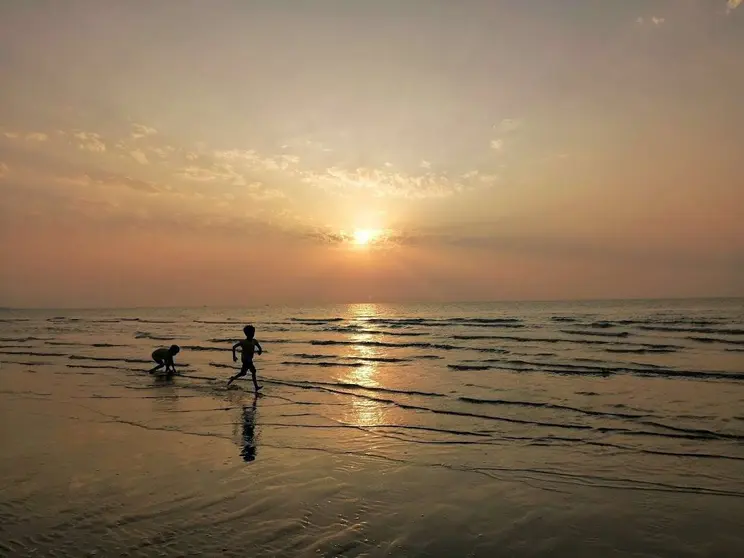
(247,347)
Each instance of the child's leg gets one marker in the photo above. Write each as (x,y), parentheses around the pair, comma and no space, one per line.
(253,375)
(159,366)
(243,372)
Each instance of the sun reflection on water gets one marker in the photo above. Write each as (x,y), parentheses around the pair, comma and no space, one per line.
(363,412)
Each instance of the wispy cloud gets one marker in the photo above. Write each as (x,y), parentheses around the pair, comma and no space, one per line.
(381,183)
(653,20)
(497,144)
(218,172)
(253,160)
(90,141)
(30,136)
(508,125)
(141,131)
(111,181)
(164,151)
(732,5)
(37,136)
(3,169)
(139,156)
(425,165)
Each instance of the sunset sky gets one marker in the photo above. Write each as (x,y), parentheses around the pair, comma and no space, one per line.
(284,151)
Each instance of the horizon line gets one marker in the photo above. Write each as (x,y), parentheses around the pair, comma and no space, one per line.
(412,302)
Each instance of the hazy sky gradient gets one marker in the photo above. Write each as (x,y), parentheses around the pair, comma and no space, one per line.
(187,153)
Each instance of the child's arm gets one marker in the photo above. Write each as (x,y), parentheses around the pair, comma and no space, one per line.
(258,346)
(235,358)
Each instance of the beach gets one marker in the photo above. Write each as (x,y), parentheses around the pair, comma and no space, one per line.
(500,429)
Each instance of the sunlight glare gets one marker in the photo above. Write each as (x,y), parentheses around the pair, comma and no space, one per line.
(363,237)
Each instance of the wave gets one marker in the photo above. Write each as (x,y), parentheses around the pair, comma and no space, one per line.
(27,363)
(596,333)
(673,321)
(100,367)
(32,353)
(349,385)
(360,331)
(717,340)
(521,339)
(324,364)
(537,404)
(205,348)
(447,322)
(641,351)
(359,358)
(567,319)
(713,330)
(600,325)
(568,369)
(147,335)
(144,320)
(22,339)
(441,346)
(113,359)
(316,321)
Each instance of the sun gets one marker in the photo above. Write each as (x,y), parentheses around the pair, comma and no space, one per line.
(362,237)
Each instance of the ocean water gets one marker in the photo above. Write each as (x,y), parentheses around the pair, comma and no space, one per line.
(504,429)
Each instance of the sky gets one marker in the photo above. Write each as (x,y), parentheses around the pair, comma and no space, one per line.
(188,153)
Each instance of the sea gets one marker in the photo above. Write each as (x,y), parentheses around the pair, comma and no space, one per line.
(595,428)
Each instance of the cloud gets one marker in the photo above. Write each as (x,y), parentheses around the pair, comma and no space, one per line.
(139,156)
(255,161)
(141,131)
(110,180)
(3,169)
(31,136)
(508,125)
(90,141)
(257,191)
(653,20)
(163,152)
(732,5)
(425,165)
(382,183)
(497,144)
(220,172)
(489,178)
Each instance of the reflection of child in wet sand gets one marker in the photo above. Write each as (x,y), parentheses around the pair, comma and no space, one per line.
(247,347)
(164,357)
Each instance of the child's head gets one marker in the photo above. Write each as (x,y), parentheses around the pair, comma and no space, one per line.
(174,349)
(249,331)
